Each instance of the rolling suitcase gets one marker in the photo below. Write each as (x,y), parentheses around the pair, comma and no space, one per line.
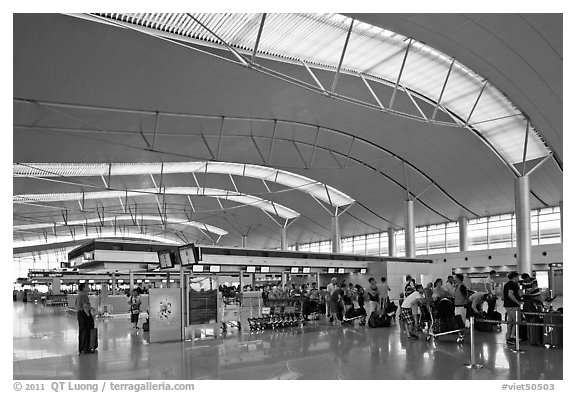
(535,333)
(93,339)
(552,334)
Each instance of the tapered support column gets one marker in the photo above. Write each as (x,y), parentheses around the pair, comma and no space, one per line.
(391,242)
(463,229)
(562,221)
(409,230)
(283,239)
(113,284)
(297,246)
(523,230)
(55,286)
(244,241)
(131,280)
(335,235)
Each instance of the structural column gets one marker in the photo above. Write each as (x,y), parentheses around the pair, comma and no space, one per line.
(523,230)
(114,284)
(335,235)
(391,242)
(131,280)
(562,221)
(283,239)
(409,229)
(55,286)
(244,241)
(463,230)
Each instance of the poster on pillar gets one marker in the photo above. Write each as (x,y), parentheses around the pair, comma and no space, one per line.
(165,315)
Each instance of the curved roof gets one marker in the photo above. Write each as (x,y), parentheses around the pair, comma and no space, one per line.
(121,67)
(104,233)
(294,181)
(392,58)
(249,200)
(138,219)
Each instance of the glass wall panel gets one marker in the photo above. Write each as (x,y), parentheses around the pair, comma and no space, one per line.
(483,233)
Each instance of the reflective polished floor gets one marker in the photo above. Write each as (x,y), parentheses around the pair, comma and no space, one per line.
(45,344)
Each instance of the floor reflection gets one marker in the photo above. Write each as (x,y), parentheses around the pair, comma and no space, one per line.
(45,347)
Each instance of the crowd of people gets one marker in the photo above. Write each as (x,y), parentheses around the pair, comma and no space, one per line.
(419,302)
(341,300)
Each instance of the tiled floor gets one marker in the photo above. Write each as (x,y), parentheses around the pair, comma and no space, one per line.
(45,347)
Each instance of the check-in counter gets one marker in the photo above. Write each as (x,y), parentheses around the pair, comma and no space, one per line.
(112,304)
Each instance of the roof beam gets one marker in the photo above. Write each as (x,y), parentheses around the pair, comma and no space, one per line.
(262,21)
(443,88)
(333,90)
(400,74)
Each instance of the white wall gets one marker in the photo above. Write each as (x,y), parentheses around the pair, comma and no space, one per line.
(479,260)
(443,264)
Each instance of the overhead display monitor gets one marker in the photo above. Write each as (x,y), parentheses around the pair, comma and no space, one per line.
(306,270)
(189,254)
(331,270)
(363,271)
(265,269)
(340,270)
(294,270)
(251,269)
(214,269)
(198,268)
(165,259)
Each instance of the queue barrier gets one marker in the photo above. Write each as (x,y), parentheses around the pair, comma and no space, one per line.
(517,324)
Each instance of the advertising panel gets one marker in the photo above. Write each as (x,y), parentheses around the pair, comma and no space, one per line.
(165,314)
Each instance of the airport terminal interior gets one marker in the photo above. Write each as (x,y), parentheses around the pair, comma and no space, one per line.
(270,196)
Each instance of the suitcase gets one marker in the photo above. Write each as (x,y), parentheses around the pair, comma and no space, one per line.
(376,321)
(553,335)
(93,339)
(535,333)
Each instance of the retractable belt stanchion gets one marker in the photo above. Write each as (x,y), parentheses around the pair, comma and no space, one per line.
(517,333)
(472,364)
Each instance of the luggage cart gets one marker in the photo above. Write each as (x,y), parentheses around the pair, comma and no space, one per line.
(434,332)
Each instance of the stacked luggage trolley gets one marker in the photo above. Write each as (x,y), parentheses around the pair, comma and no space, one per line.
(280,313)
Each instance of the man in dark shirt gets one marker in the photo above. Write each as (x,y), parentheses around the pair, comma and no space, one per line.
(512,304)
(85,319)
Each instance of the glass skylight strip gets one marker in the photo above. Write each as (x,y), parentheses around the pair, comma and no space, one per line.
(105,233)
(126,217)
(249,200)
(288,179)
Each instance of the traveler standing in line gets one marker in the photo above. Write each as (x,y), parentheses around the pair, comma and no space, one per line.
(412,301)
(383,291)
(438,292)
(330,288)
(336,304)
(449,286)
(460,297)
(134,303)
(490,289)
(409,285)
(512,303)
(373,297)
(85,319)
